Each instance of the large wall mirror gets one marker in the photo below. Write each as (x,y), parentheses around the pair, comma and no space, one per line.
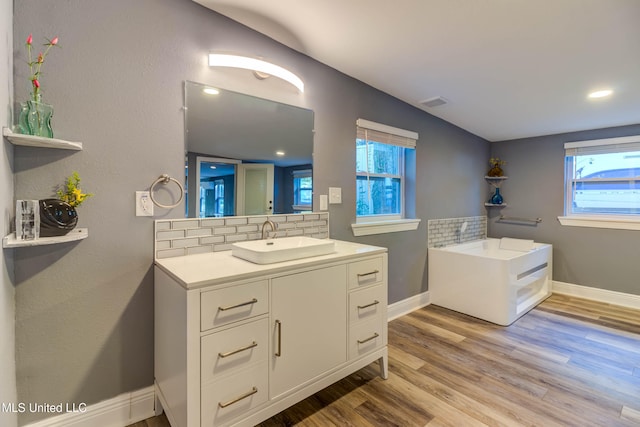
(245,155)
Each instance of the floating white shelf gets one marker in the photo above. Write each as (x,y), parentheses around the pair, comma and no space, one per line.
(39,141)
(10,241)
(492,205)
(496,178)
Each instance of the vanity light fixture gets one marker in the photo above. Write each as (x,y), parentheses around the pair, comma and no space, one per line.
(256,65)
(600,93)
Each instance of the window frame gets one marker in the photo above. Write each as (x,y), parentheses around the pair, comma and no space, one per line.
(299,174)
(385,223)
(627,221)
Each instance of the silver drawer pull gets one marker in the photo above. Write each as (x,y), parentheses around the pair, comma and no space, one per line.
(373,337)
(253,391)
(368,274)
(375,302)
(242,304)
(230,353)
(279,327)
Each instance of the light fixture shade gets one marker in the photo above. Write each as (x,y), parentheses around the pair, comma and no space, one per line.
(235,61)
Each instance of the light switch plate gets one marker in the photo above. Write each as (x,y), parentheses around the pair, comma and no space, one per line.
(144,205)
(324,201)
(335,195)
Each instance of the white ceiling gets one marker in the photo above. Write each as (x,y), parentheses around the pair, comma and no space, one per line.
(508,68)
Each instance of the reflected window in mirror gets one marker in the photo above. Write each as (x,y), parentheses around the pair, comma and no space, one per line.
(247,130)
(302,190)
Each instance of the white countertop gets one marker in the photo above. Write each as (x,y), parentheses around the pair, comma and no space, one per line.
(194,271)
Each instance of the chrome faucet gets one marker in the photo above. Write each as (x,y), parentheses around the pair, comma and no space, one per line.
(271,224)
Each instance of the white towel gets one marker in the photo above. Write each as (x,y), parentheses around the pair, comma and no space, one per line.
(522,245)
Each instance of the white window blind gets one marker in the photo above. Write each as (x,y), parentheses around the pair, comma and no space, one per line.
(378,132)
(602,177)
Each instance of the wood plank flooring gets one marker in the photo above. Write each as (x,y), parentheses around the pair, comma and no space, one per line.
(568,362)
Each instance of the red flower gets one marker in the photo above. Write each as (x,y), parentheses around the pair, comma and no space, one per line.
(36,65)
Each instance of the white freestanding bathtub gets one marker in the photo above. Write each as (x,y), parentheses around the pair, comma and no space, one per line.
(497,280)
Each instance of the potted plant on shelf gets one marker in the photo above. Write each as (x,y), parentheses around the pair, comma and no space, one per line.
(59,216)
(496,167)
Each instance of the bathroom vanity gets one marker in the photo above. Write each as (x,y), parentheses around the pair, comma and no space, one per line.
(238,342)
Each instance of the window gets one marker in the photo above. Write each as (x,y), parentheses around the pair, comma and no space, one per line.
(602,181)
(381,172)
(302,190)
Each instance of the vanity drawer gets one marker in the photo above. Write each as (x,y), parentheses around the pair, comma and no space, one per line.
(365,273)
(222,306)
(365,337)
(238,394)
(367,303)
(233,349)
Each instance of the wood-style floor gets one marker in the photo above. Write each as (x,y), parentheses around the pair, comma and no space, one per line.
(568,362)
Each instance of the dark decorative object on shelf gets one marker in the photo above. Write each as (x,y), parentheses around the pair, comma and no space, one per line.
(57,218)
(496,199)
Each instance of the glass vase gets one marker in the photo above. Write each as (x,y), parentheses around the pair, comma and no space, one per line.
(35,118)
(496,199)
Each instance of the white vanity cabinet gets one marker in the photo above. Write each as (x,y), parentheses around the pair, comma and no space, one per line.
(236,342)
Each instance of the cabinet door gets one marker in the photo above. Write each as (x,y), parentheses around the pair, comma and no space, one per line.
(309,326)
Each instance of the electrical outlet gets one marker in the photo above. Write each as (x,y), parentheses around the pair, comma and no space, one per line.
(144,205)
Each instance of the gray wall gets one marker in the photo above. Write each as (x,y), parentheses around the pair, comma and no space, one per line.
(594,257)
(7,294)
(85,310)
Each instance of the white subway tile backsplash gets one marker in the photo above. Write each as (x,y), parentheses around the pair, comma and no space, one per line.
(212,222)
(445,232)
(166,235)
(235,238)
(199,232)
(170,253)
(200,250)
(185,243)
(211,240)
(163,225)
(256,219)
(192,236)
(247,228)
(184,224)
(163,244)
(224,230)
(235,221)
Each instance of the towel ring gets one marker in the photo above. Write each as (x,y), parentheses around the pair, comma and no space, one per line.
(165,179)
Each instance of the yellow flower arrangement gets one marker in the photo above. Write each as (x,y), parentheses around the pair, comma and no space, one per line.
(496,170)
(71,192)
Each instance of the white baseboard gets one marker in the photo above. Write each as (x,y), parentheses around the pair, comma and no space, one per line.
(406,306)
(119,411)
(602,295)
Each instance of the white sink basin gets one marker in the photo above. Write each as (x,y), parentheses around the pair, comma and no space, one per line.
(281,249)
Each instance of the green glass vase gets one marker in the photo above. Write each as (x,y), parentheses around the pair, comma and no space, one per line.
(35,118)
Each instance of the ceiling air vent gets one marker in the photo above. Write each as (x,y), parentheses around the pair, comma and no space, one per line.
(433,102)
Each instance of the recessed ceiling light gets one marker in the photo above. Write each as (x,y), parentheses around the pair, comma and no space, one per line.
(211,91)
(279,153)
(600,93)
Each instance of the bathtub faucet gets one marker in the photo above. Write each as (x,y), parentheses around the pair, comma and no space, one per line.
(461,230)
